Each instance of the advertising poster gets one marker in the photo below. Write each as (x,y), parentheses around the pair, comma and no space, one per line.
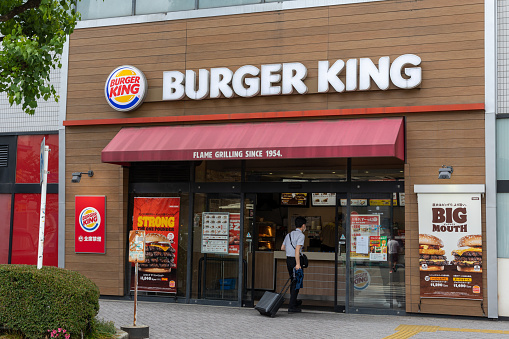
(363,226)
(159,218)
(90,224)
(137,246)
(234,243)
(450,246)
(378,248)
(215,232)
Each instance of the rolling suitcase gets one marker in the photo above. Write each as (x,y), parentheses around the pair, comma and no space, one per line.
(270,302)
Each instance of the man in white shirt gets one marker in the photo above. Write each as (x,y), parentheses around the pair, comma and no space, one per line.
(293,243)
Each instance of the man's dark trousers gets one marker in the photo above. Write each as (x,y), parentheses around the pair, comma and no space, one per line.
(290,264)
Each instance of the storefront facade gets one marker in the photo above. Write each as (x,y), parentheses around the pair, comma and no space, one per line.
(343,113)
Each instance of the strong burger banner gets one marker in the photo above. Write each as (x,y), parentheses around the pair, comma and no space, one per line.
(450,246)
(159,218)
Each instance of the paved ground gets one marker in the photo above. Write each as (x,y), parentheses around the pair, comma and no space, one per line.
(168,320)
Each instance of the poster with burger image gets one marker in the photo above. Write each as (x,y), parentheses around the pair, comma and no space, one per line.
(450,246)
(159,218)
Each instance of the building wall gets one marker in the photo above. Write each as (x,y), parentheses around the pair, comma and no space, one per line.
(46,117)
(502,153)
(448,37)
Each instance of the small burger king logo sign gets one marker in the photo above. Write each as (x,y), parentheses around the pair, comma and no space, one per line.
(361,279)
(90,224)
(90,219)
(125,88)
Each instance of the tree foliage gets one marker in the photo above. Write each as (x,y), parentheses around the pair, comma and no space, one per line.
(34,33)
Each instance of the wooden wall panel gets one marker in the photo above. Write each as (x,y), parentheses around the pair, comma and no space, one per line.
(83,149)
(433,140)
(449,41)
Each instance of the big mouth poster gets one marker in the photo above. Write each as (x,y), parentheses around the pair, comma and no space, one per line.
(159,218)
(450,246)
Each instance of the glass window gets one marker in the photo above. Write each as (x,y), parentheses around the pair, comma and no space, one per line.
(5,227)
(145,172)
(215,262)
(502,149)
(162,6)
(377,169)
(315,170)
(223,3)
(218,171)
(503,225)
(25,237)
(28,158)
(97,9)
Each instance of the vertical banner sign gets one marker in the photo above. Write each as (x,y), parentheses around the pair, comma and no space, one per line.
(159,218)
(450,246)
(363,227)
(234,243)
(90,224)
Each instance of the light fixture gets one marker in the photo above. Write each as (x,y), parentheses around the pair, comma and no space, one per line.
(445,172)
(76,176)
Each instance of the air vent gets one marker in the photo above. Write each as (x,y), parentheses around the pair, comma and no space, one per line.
(4,155)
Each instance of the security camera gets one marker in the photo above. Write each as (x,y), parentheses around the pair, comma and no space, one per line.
(445,172)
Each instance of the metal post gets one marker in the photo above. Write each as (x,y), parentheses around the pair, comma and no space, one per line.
(42,219)
(135,291)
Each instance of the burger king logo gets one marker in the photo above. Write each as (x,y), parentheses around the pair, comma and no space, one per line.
(90,219)
(361,279)
(125,88)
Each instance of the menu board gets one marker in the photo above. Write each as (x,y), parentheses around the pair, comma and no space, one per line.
(355,202)
(215,232)
(364,226)
(450,246)
(323,199)
(294,199)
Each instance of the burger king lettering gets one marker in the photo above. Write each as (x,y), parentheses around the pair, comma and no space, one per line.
(287,78)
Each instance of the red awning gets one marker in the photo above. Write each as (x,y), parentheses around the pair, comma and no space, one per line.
(270,140)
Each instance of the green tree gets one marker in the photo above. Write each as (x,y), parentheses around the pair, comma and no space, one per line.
(33,33)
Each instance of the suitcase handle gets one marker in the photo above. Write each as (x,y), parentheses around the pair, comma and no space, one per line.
(285,288)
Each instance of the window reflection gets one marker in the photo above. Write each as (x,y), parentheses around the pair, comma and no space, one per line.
(162,6)
(97,9)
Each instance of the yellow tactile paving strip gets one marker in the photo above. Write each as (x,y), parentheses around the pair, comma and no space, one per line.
(408,331)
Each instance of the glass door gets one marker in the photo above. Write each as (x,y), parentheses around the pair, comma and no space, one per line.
(376,281)
(216,253)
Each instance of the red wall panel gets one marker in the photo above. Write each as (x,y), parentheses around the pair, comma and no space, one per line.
(28,155)
(5,227)
(25,236)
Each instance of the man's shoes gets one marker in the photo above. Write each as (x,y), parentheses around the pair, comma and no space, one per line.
(299,302)
(294,310)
